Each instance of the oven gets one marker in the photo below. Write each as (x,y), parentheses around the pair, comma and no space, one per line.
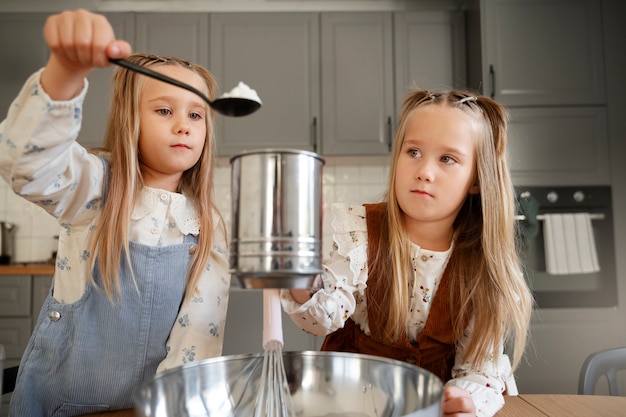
(567,290)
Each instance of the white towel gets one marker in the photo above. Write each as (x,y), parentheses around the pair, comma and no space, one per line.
(570,246)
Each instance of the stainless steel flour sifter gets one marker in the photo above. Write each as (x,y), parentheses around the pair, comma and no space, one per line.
(276,218)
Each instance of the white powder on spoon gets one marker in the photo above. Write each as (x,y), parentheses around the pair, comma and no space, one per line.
(242,90)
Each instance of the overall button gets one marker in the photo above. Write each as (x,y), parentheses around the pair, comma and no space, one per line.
(154,230)
(424,258)
(192,250)
(164,197)
(54,315)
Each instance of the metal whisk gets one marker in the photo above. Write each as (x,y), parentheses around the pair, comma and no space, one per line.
(274,398)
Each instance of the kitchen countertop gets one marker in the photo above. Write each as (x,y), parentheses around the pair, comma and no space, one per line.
(39,268)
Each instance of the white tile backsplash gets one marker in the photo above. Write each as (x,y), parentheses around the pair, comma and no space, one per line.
(345,179)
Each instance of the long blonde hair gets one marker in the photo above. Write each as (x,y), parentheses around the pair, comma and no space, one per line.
(110,241)
(487,285)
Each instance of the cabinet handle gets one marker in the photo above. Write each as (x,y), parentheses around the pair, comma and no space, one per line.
(314,134)
(389,134)
(492,75)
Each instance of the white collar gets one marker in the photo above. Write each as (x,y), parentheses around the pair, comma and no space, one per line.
(181,209)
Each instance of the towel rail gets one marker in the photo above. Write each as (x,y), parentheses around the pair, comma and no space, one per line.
(592,216)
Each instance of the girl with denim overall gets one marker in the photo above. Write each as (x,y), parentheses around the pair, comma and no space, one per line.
(141,277)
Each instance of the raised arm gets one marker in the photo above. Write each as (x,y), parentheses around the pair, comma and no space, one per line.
(79,41)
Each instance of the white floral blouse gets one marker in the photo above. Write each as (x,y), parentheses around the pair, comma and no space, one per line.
(343,296)
(41,160)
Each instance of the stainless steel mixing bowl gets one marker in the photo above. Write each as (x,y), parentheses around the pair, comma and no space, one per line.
(322,384)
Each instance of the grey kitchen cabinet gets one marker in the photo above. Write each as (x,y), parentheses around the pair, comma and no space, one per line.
(559,146)
(41,287)
(327,79)
(183,35)
(15,315)
(370,61)
(21,298)
(23,52)
(20,302)
(15,297)
(542,52)
(544,61)
(357,83)
(276,54)
(429,51)
(244,326)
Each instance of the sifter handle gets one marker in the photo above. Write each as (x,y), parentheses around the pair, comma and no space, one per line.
(272,317)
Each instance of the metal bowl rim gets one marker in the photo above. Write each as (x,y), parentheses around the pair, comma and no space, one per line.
(305,353)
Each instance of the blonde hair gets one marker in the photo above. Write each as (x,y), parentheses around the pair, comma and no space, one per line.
(110,241)
(487,285)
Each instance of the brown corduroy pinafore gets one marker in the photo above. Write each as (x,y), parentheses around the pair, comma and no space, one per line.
(434,350)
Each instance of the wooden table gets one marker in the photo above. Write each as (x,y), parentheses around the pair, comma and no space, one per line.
(528,405)
(542,405)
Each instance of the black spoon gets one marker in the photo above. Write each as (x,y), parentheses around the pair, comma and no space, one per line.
(228,106)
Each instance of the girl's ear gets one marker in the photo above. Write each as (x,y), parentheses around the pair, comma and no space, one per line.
(474,188)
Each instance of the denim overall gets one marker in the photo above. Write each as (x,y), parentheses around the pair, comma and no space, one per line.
(90,356)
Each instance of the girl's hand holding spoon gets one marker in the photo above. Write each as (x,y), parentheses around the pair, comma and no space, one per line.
(79,41)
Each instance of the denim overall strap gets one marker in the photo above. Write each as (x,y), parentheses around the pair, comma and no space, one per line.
(91,355)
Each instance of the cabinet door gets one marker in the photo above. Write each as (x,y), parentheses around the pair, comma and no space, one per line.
(429,51)
(15,296)
(183,35)
(357,83)
(98,99)
(41,287)
(542,52)
(559,146)
(14,335)
(23,52)
(277,54)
